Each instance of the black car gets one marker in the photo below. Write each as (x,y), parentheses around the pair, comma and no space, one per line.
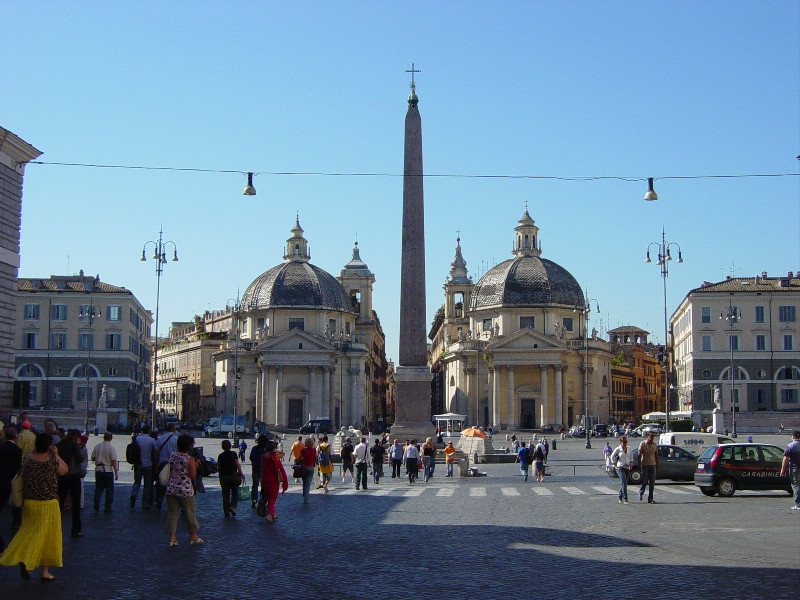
(674,463)
(725,468)
(321,425)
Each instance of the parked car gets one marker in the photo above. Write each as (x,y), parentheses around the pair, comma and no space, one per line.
(674,463)
(722,469)
(600,430)
(325,426)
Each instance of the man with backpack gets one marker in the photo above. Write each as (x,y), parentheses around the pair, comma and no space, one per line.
(524,460)
(324,463)
(167,445)
(148,454)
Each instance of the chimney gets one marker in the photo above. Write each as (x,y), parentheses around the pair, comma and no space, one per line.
(763,274)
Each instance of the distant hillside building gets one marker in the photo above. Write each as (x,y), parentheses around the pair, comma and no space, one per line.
(637,375)
(762,340)
(76,336)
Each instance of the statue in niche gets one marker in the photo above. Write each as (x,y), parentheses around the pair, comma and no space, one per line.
(717,397)
(447,337)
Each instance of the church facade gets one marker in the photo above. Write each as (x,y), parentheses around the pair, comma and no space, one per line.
(511,350)
(305,344)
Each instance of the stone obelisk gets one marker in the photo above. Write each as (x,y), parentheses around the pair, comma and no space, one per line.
(412,375)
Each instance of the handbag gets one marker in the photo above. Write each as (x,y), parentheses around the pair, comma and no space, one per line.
(261,508)
(298,471)
(163,475)
(243,492)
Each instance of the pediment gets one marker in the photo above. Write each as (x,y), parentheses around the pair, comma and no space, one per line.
(525,339)
(295,340)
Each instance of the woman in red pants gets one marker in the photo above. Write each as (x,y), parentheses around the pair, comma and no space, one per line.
(273,478)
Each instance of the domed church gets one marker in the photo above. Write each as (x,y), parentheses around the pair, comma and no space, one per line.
(309,344)
(509,351)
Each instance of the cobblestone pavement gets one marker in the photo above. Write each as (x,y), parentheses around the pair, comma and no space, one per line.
(487,537)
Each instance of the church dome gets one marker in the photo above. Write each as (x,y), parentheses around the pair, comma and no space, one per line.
(296,283)
(527,280)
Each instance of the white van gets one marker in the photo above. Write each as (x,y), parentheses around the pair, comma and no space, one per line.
(694,442)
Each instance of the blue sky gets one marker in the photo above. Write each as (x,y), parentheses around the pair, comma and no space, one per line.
(557,90)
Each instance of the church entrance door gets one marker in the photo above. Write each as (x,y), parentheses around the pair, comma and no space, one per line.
(296,413)
(527,418)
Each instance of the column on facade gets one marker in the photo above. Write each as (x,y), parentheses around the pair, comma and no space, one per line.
(558,394)
(279,410)
(495,416)
(545,394)
(471,385)
(356,407)
(313,405)
(326,392)
(513,411)
(264,398)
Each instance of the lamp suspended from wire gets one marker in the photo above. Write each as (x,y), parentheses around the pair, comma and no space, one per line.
(651,193)
(249,190)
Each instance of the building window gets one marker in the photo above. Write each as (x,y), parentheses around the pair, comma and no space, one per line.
(56,393)
(762,373)
(567,323)
(705,314)
(30,371)
(787,342)
(706,343)
(113,341)
(114,313)
(31,312)
(789,396)
(113,371)
(29,340)
(86,311)
(487,325)
(297,324)
(786,314)
(85,341)
(526,322)
(733,342)
(761,342)
(58,340)
(759,317)
(58,312)
(707,373)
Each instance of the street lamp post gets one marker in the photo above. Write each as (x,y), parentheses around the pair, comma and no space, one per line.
(237,307)
(160,256)
(664,256)
(88,313)
(731,315)
(586,310)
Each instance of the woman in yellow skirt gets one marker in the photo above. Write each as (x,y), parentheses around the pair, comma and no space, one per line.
(38,541)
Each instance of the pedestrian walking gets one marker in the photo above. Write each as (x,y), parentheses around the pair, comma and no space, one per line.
(538,462)
(377,453)
(230,478)
(622,458)
(648,463)
(273,479)
(295,452)
(10,461)
(791,466)
(180,491)
(361,454)
(607,450)
(449,458)
(143,472)
(256,453)
(242,449)
(308,458)
(396,456)
(546,445)
(428,459)
(411,460)
(69,484)
(38,540)
(106,472)
(524,460)
(346,453)
(324,463)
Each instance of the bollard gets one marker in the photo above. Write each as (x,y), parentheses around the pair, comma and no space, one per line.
(554,444)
